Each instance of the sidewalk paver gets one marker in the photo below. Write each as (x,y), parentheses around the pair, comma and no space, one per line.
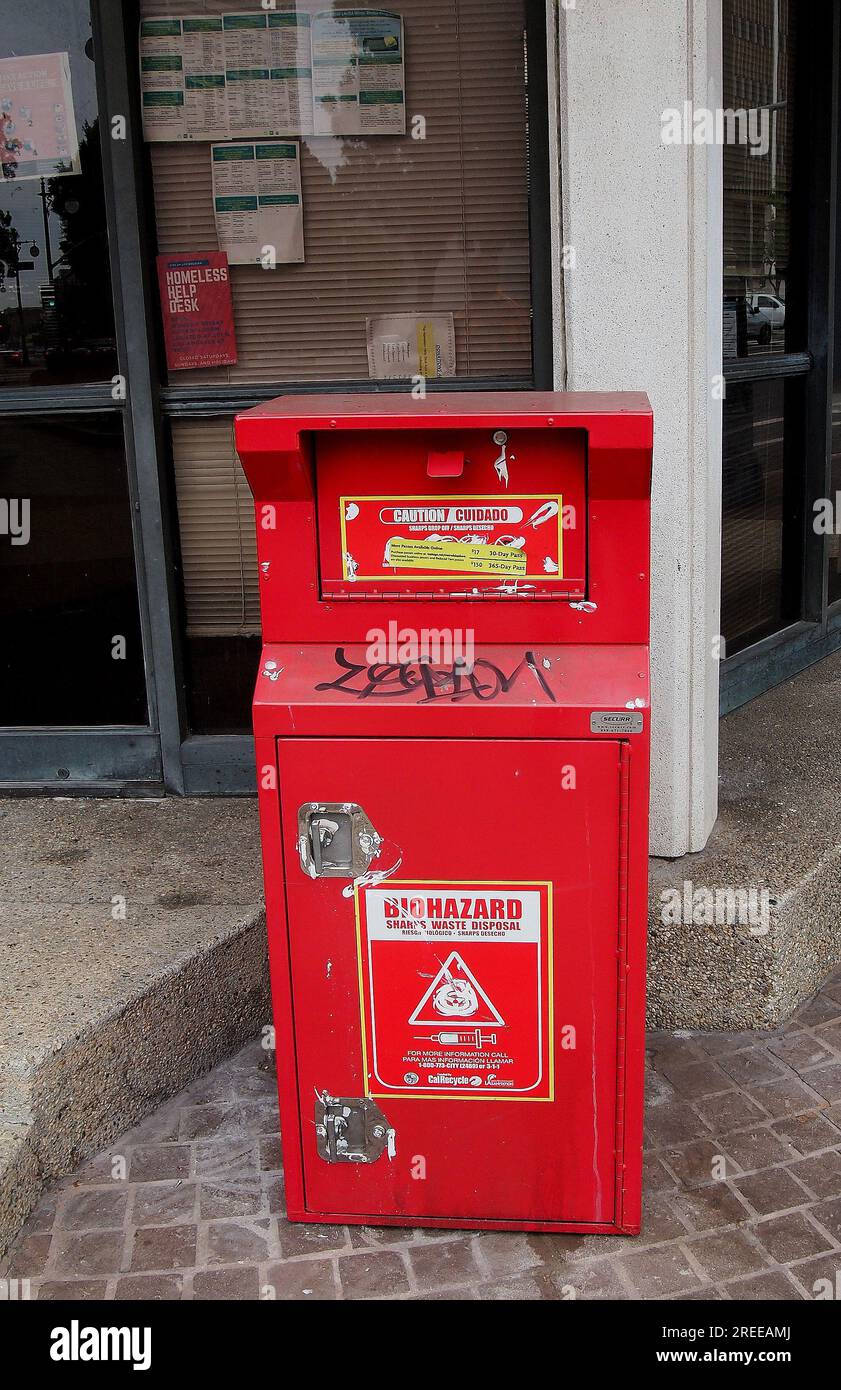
(742,1201)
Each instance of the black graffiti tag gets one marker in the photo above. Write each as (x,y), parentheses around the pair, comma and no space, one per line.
(484,680)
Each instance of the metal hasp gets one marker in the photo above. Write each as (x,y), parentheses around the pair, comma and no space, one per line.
(335,839)
(351,1130)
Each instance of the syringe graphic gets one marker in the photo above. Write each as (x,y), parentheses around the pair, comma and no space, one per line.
(463,1037)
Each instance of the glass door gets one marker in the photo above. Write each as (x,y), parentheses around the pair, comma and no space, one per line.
(74,707)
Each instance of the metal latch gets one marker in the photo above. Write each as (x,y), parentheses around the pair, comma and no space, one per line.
(335,839)
(501,465)
(351,1130)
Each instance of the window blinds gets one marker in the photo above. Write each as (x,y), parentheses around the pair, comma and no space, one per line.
(216,524)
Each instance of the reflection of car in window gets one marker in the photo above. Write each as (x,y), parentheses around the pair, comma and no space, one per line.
(758,326)
(772,309)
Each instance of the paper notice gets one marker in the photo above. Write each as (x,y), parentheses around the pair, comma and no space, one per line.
(358,73)
(197,310)
(37,125)
(162,80)
(408,345)
(257,201)
(290,67)
(205,90)
(247,73)
(214,77)
(454,556)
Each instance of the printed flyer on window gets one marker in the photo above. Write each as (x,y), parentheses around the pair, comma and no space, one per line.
(38,136)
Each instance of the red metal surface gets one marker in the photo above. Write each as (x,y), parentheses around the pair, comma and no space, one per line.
(503,1157)
(514,691)
(463,772)
(542,509)
(282,446)
(445,464)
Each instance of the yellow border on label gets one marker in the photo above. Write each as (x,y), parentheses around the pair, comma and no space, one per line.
(387,577)
(550,974)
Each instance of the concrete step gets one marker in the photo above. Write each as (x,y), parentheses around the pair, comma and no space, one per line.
(742,933)
(132,940)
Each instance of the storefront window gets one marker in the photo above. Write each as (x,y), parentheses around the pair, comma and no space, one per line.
(760,53)
(367,176)
(764,323)
(72,656)
(56,313)
(72,650)
(754,601)
(426,226)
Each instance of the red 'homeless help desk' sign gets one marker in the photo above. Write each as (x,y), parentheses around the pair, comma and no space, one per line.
(198,312)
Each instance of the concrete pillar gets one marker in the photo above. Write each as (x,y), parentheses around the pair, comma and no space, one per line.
(641,229)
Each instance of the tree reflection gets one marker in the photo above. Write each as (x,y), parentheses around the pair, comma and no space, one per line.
(81,334)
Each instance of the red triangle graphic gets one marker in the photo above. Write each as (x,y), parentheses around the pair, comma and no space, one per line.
(455,995)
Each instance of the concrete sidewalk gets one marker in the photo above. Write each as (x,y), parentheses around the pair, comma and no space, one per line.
(134,959)
(742,1197)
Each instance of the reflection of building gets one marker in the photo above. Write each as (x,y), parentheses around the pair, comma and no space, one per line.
(760,45)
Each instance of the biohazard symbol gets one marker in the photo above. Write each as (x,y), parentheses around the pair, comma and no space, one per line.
(455,993)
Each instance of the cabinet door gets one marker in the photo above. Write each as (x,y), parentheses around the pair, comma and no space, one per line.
(470,992)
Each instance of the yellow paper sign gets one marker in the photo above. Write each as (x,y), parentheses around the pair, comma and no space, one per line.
(455,557)
(427,353)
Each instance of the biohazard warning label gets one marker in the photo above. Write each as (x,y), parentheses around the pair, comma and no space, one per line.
(455,993)
(455,984)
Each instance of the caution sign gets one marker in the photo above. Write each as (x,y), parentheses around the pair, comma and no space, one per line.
(406,538)
(456,989)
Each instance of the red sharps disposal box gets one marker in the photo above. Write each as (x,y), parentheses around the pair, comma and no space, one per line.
(452,728)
